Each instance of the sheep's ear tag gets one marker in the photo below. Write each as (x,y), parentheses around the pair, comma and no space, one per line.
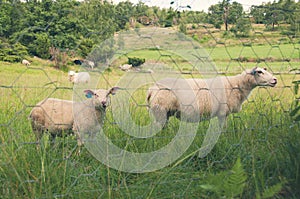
(88,93)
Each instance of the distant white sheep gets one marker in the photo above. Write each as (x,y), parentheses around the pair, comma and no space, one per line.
(80,77)
(25,62)
(193,100)
(89,63)
(58,116)
(125,67)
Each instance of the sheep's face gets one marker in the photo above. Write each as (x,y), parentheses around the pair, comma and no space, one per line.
(101,97)
(263,77)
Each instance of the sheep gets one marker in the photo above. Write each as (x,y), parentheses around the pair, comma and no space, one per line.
(81,77)
(77,61)
(89,63)
(25,62)
(58,116)
(193,100)
(125,67)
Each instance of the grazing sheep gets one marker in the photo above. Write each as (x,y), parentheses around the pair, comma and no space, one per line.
(193,100)
(63,116)
(81,77)
(25,62)
(125,67)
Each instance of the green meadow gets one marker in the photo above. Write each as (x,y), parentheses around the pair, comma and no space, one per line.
(256,156)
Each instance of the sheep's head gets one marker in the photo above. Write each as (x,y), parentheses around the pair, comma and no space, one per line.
(263,77)
(101,97)
(71,75)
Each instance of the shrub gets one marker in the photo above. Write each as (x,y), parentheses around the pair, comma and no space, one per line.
(12,58)
(135,61)
(12,53)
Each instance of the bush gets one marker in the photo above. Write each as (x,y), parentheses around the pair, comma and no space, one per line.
(135,61)
(12,53)
(12,58)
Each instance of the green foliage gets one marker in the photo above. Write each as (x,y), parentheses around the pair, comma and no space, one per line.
(182,28)
(242,27)
(12,53)
(41,45)
(295,112)
(85,46)
(215,17)
(135,61)
(103,52)
(272,191)
(235,12)
(194,17)
(272,14)
(231,184)
(228,184)
(224,12)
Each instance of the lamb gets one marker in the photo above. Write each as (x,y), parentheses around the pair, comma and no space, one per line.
(25,62)
(59,117)
(81,77)
(193,100)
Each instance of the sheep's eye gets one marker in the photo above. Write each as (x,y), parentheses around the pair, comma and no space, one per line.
(259,72)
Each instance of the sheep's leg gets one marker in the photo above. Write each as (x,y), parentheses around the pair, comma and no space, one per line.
(161,116)
(222,121)
(38,137)
(77,148)
(52,139)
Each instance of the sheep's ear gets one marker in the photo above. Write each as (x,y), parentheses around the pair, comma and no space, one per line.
(89,93)
(113,90)
(253,71)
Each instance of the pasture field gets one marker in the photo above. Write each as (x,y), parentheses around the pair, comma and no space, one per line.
(256,156)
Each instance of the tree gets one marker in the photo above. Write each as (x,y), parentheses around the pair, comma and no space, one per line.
(215,15)
(123,12)
(226,6)
(11,17)
(41,45)
(258,14)
(224,12)
(196,17)
(273,15)
(242,27)
(235,12)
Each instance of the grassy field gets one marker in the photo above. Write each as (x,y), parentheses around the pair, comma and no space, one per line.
(257,155)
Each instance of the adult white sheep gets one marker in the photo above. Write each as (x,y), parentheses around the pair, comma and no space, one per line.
(195,99)
(58,116)
(25,62)
(80,77)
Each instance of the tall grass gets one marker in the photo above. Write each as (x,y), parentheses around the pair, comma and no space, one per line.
(262,135)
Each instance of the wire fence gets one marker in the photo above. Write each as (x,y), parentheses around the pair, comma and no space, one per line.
(256,152)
